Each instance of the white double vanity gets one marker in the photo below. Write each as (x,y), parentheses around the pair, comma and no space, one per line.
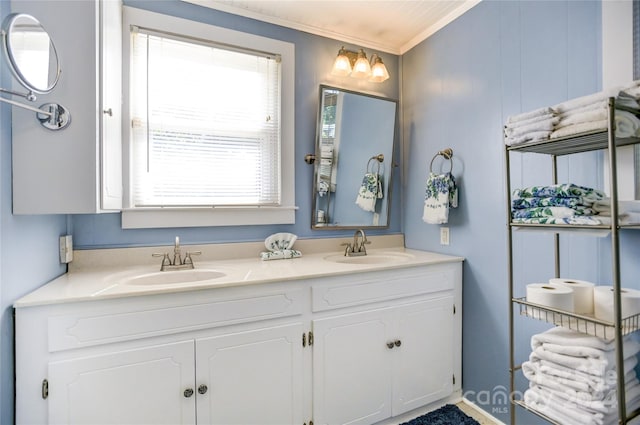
(322,339)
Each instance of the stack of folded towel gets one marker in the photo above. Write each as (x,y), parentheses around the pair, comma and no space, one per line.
(590,113)
(565,203)
(582,114)
(573,380)
(628,211)
(530,126)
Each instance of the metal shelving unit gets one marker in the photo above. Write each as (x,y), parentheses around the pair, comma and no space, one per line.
(584,142)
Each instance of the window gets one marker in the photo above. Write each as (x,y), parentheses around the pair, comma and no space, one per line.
(210,125)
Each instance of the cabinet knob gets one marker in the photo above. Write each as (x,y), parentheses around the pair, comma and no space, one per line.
(398,343)
(202,389)
(188,392)
(108,112)
(389,345)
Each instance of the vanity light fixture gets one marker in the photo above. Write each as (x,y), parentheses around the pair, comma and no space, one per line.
(357,65)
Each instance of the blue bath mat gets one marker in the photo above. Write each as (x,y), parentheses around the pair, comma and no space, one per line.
(446,415)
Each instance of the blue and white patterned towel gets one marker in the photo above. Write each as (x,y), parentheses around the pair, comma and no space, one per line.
(370,191)
(440,194)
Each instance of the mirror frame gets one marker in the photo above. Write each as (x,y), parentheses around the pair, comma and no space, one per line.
(7,28)
(316,163)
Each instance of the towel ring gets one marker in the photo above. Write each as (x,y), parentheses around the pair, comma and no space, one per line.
(379,158)
(447,154)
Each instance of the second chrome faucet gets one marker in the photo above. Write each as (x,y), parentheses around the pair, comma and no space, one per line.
(357,248)
(176,262)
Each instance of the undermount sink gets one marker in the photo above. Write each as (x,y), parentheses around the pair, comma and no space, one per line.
(174,277)
(377,258)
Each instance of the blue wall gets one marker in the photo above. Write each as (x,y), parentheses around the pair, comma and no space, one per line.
(314,58)
(459,86)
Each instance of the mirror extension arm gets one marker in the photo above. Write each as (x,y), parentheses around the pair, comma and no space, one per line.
(56,118)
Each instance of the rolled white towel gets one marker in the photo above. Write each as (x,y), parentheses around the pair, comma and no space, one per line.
(534,136)
(607,404)
(598,364)
(543,401)
(585,100)
(583,380)
(594,114)
(603,104)
(529,115)
(573,388)
(627,124)
(603,207)
(541,125)
(568,337)
(517,124)
(629,98)
(582,127)
(629,218)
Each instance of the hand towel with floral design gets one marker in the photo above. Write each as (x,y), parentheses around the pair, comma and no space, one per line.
(558,212)
(548,201)
(575,220)
(440,194)
(564,190)
(370,191)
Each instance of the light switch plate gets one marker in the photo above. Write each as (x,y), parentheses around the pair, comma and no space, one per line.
(444,236)
(66,249)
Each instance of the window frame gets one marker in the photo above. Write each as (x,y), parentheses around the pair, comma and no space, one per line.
(159,217)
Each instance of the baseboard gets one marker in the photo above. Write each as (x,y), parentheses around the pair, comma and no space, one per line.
(483,412)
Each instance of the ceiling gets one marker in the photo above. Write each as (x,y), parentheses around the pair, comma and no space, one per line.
(392,26)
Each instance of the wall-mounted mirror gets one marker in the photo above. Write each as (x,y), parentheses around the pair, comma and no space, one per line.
(33,61)
(31,53)
(353,160)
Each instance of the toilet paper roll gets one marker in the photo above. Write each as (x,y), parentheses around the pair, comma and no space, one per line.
(582,294)
(603,302)
(549,295)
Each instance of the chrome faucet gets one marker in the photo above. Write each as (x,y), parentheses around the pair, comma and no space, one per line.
(358,246)
(177,263)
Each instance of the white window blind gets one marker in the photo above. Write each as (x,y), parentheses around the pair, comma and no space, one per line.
(205,123)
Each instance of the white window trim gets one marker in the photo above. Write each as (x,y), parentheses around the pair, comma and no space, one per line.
(135,218)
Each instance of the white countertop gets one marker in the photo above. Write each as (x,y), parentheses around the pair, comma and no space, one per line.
(98,280)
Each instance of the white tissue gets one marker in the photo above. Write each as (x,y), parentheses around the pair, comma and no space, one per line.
(582,294)
(549,295)
(603,302)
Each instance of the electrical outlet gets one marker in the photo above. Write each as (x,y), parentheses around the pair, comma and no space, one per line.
(66,249)
(444,236)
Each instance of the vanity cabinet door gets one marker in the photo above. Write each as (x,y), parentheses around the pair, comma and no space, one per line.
(423,365)
(380,363)
(139,386)
(252,377)
(352,368)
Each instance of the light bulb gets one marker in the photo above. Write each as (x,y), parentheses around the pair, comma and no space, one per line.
(379,72)
(342,64)
(361,69)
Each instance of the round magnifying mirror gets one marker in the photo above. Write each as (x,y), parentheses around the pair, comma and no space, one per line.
(31,53)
